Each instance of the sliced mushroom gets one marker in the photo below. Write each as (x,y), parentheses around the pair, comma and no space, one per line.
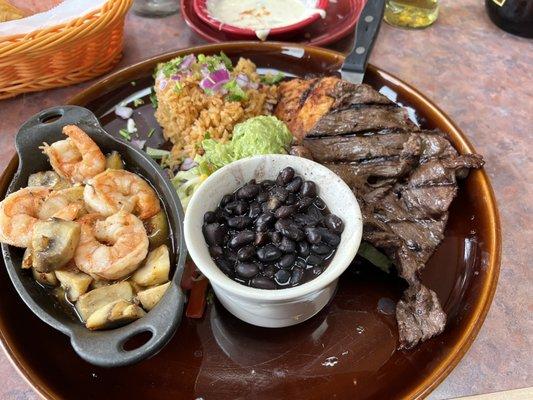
(113,315)
(45,278)
(157,229)
(114,161)
(53,244)
(155,269)
(49,179)
(91,301)
(150,297)
(74,283)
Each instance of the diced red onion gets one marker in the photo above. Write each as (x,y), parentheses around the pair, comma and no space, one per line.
(138,143)
(187,164)
(123,112)
(187,61)
(162,84)
(242,80)
(215,80)
(253,85)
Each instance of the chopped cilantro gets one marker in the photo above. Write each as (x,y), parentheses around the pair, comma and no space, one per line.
(177,87)
(171,67)
(227,62)
(153,98)
(125,134)
(235,92)
(214,62)
(272,79)
(138,102)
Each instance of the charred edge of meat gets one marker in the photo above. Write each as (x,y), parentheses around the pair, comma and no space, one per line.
(307,92)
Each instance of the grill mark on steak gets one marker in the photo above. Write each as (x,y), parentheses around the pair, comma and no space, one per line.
(405,179)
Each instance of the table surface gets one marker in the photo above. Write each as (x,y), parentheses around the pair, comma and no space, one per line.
(478,75)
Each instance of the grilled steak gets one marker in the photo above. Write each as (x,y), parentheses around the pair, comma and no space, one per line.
(405,179)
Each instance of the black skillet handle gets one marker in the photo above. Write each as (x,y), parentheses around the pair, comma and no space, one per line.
(366,33)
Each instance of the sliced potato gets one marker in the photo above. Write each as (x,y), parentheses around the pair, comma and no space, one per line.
(74,283)
(150,297)
(155,269)
(114,161)
(91,301)
(100,283)
(27,260)
(157,229)
(49,179)
(113,315)
(53,244)
(45,278)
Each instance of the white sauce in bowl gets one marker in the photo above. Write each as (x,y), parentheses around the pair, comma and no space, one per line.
(262,15)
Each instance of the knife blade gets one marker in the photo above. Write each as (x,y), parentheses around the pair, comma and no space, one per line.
(366,32)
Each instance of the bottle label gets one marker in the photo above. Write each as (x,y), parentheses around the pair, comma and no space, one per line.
(499,2)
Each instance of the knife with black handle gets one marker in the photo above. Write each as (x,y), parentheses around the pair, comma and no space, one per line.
(366,32)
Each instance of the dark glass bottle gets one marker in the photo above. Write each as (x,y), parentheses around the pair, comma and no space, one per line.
(514,16)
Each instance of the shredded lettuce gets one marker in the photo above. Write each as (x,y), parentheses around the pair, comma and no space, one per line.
(186,182)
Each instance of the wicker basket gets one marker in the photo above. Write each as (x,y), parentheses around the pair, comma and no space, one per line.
(64,54)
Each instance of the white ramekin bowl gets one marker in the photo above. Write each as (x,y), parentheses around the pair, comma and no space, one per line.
(282,307)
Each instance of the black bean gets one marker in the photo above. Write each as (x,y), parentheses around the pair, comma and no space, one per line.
(304,220)
(291,199)
(296,277)
(287,261)
(247,270)
(329,237)
(299,263)
(263,221)
(267,183)
(262,197)
(279,193)
(308,189)
(276,238)
(316,270)
(287,245)
(334,223)
(214,233)
(261,238)
(225,266)
(313,235)
(226,199)
(246,253)
(221,215)
(319,203)
(282,277)
(281,224)
(269,271)
(320,249)
(304,203)
(294,185)
(238,207)
(230,255)
(285,176)
(273,203)
(285,211)
(303,248)
(314,260)
(241,239)
(262,282)
(268,253)
(255,210)
(216,251)
(210,217)
(239,222)
(292,232)
(248,192)
(314,213)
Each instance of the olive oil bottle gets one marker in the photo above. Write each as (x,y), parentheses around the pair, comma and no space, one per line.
(411,13)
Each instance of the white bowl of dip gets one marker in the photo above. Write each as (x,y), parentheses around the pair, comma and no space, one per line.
(278,307)
(260,18)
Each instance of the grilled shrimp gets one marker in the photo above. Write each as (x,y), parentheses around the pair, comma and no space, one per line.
(114,190)
(111,248)
(77,158)
(19,212)
(66,204)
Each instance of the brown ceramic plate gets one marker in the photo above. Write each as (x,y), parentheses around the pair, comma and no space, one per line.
(347,351)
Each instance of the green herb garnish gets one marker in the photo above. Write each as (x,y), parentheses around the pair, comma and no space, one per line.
(157,154)
(171,67)
(177,87)
(272,79)
(125,134)
(235,92)
(138,102)
(153,98)
(376,257)
(151,132)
